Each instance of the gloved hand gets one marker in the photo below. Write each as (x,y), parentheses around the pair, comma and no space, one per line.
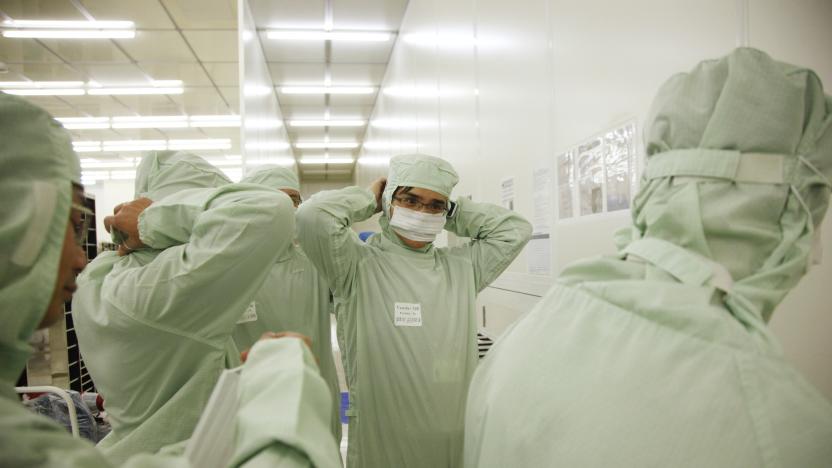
(377,187)
(124,225)
(275,335)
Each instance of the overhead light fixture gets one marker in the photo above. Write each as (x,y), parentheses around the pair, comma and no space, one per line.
(252,90)
(373,161)
(266,161)
(48,29)
(327,160)
(327,89)
(84,123)
(267,145)
(166,121)
(198,121)
(150,145)
(262,123)
(326,144)
(137,91)
(41,84)
(45,92)
(61,24)
(175,121)
(86,146)
(386,145)
(68,34)
(352,36)
(203,144)
(76,88)
(133,145)
(326,123)
(106,164)
(122,175)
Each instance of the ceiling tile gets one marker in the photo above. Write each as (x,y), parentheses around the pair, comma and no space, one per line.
(202,14)
(303,112)
(157,46)
(352,100)
(224,73)
(201,101)
(86,50)
(107,74)
(153,105)
(305,51)
(213,46)
(97,106)
(25,50)
(232,95)
(358,74)
(350,112)
(368,14)
(361,52)
(46,72)
(346,133)
(288,14)
(51,104)
(297,73)
(145,13)
(41,9)
(287,100)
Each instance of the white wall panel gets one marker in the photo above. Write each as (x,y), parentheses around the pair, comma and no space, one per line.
(263,135)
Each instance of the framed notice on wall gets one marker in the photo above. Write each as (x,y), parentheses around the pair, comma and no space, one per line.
(598,176)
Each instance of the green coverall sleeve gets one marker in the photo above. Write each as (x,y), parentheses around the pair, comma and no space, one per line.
(325,235)
(497,237)
(284,418)
(228,238)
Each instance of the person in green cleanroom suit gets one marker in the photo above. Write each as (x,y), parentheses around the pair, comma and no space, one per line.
(405,308)
(660,355)
(154,324)
(294,296)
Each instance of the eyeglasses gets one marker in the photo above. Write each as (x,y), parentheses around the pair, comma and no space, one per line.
(81,228)
(412,203)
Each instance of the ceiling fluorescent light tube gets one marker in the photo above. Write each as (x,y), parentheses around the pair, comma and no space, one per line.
(326,160)
(373,161)
(133,91)
(63,24)
(326,123)
(357,36)
(198,121)
(45,92)
(70,34)
(323,144)
(41,84)
(327,90)
(266,161)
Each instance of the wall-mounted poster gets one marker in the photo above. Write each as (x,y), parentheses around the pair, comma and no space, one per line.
(598,176)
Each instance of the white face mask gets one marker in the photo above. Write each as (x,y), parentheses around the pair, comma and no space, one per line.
(416,225)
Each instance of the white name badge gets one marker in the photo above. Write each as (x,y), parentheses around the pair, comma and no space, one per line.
(250,315)
(408,315)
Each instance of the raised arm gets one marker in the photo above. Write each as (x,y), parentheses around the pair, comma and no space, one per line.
(219,246)
(497,237)
(326,238)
